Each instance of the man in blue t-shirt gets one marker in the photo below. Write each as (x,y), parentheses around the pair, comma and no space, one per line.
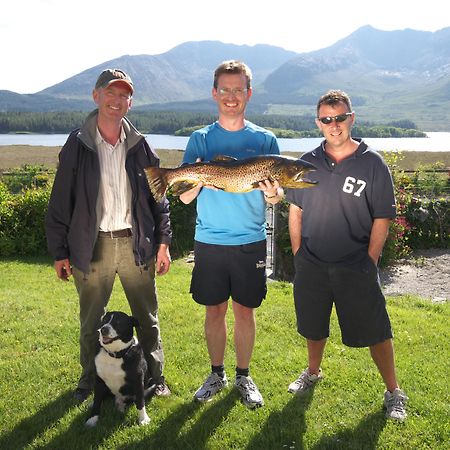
(230,237)
(338,230)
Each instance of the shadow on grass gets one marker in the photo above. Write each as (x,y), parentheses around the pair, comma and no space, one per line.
(78,436)
(285,428)
(207,423)
(26,431)
(167,436)
(365,435)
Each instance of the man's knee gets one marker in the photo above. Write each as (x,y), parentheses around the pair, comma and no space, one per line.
(243,313)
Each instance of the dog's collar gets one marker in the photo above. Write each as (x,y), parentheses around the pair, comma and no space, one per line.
(121,353)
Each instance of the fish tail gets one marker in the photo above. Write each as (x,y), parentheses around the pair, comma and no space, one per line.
(157,181)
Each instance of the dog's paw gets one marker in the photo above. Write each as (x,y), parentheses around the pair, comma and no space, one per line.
(92,421)
(143,417)
(145,421)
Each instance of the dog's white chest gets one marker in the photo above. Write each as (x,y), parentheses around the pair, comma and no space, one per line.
(109,369)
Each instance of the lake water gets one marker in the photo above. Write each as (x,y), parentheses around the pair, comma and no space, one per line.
(436,142)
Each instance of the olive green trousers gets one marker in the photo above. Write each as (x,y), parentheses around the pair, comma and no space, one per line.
(114,257)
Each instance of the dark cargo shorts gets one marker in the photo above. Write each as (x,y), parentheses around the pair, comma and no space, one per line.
(356,293)
(224,271)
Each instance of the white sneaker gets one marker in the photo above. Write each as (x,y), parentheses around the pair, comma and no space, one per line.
(304,382)
(251,397)
(395,404)
(213,384)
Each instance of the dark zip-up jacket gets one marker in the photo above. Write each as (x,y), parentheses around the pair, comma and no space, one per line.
(71,223)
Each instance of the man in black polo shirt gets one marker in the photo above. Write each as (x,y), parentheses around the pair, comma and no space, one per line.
(338,230)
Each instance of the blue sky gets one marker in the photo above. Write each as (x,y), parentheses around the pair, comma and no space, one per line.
(52,40)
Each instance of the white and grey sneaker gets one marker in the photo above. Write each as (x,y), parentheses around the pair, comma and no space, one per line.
(305,382)
(251,397)
(212,385)
(395,404)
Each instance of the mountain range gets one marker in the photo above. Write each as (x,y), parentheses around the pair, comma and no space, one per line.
(390,75)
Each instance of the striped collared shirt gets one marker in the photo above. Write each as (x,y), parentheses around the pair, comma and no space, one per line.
(114,203)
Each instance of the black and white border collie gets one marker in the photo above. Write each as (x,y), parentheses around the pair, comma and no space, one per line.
(121,368)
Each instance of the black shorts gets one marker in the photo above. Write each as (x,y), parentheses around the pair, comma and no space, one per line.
(355,290)
(224,271)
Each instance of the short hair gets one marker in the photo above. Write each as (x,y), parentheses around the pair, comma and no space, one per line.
(333,97)
(233,67)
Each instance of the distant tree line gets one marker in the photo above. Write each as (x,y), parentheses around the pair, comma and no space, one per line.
(148,122)
(183,123)
(40,122)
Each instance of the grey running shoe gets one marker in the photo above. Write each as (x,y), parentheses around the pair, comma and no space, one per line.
(251,397)
(213,384)
(304,382)
(395,404)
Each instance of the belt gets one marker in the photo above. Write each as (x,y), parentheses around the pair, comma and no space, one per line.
(116,234)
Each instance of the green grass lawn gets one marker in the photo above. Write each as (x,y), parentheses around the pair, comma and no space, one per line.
(39,369)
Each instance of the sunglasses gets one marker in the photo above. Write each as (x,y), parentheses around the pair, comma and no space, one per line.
(234,91)
(340,118)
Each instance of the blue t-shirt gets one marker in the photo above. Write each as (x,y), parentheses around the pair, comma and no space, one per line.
(226,218)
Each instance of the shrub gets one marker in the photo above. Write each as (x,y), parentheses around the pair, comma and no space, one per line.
(182,218)
(6,214)
(422,219)
(284,264)
(429,220)
(397,245)
(26,176)
(430,180)
(22,222)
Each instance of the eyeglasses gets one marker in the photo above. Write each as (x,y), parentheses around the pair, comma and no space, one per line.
(234,91)
(340,118)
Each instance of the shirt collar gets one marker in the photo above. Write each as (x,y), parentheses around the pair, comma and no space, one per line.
(362,147)
(99,138)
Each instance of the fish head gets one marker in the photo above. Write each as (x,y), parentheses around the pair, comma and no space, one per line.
(294,173)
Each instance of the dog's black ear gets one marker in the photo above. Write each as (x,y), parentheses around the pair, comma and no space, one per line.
(134,322)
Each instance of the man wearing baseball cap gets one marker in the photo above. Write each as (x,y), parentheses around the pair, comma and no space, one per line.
(102,221)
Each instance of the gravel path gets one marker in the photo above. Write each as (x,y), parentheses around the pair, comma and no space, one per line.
(425,274)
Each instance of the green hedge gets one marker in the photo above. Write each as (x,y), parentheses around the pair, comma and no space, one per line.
(428,223)
(22,222)
(422,222)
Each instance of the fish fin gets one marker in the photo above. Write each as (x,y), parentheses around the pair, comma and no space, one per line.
(224,158)
(255,184)
(157,181)
(179,187)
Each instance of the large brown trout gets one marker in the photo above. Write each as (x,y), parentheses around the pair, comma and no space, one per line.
(231,175)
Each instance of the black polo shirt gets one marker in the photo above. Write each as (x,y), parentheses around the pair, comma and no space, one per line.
(338,212)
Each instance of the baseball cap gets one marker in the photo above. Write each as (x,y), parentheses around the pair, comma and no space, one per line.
(110,76)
